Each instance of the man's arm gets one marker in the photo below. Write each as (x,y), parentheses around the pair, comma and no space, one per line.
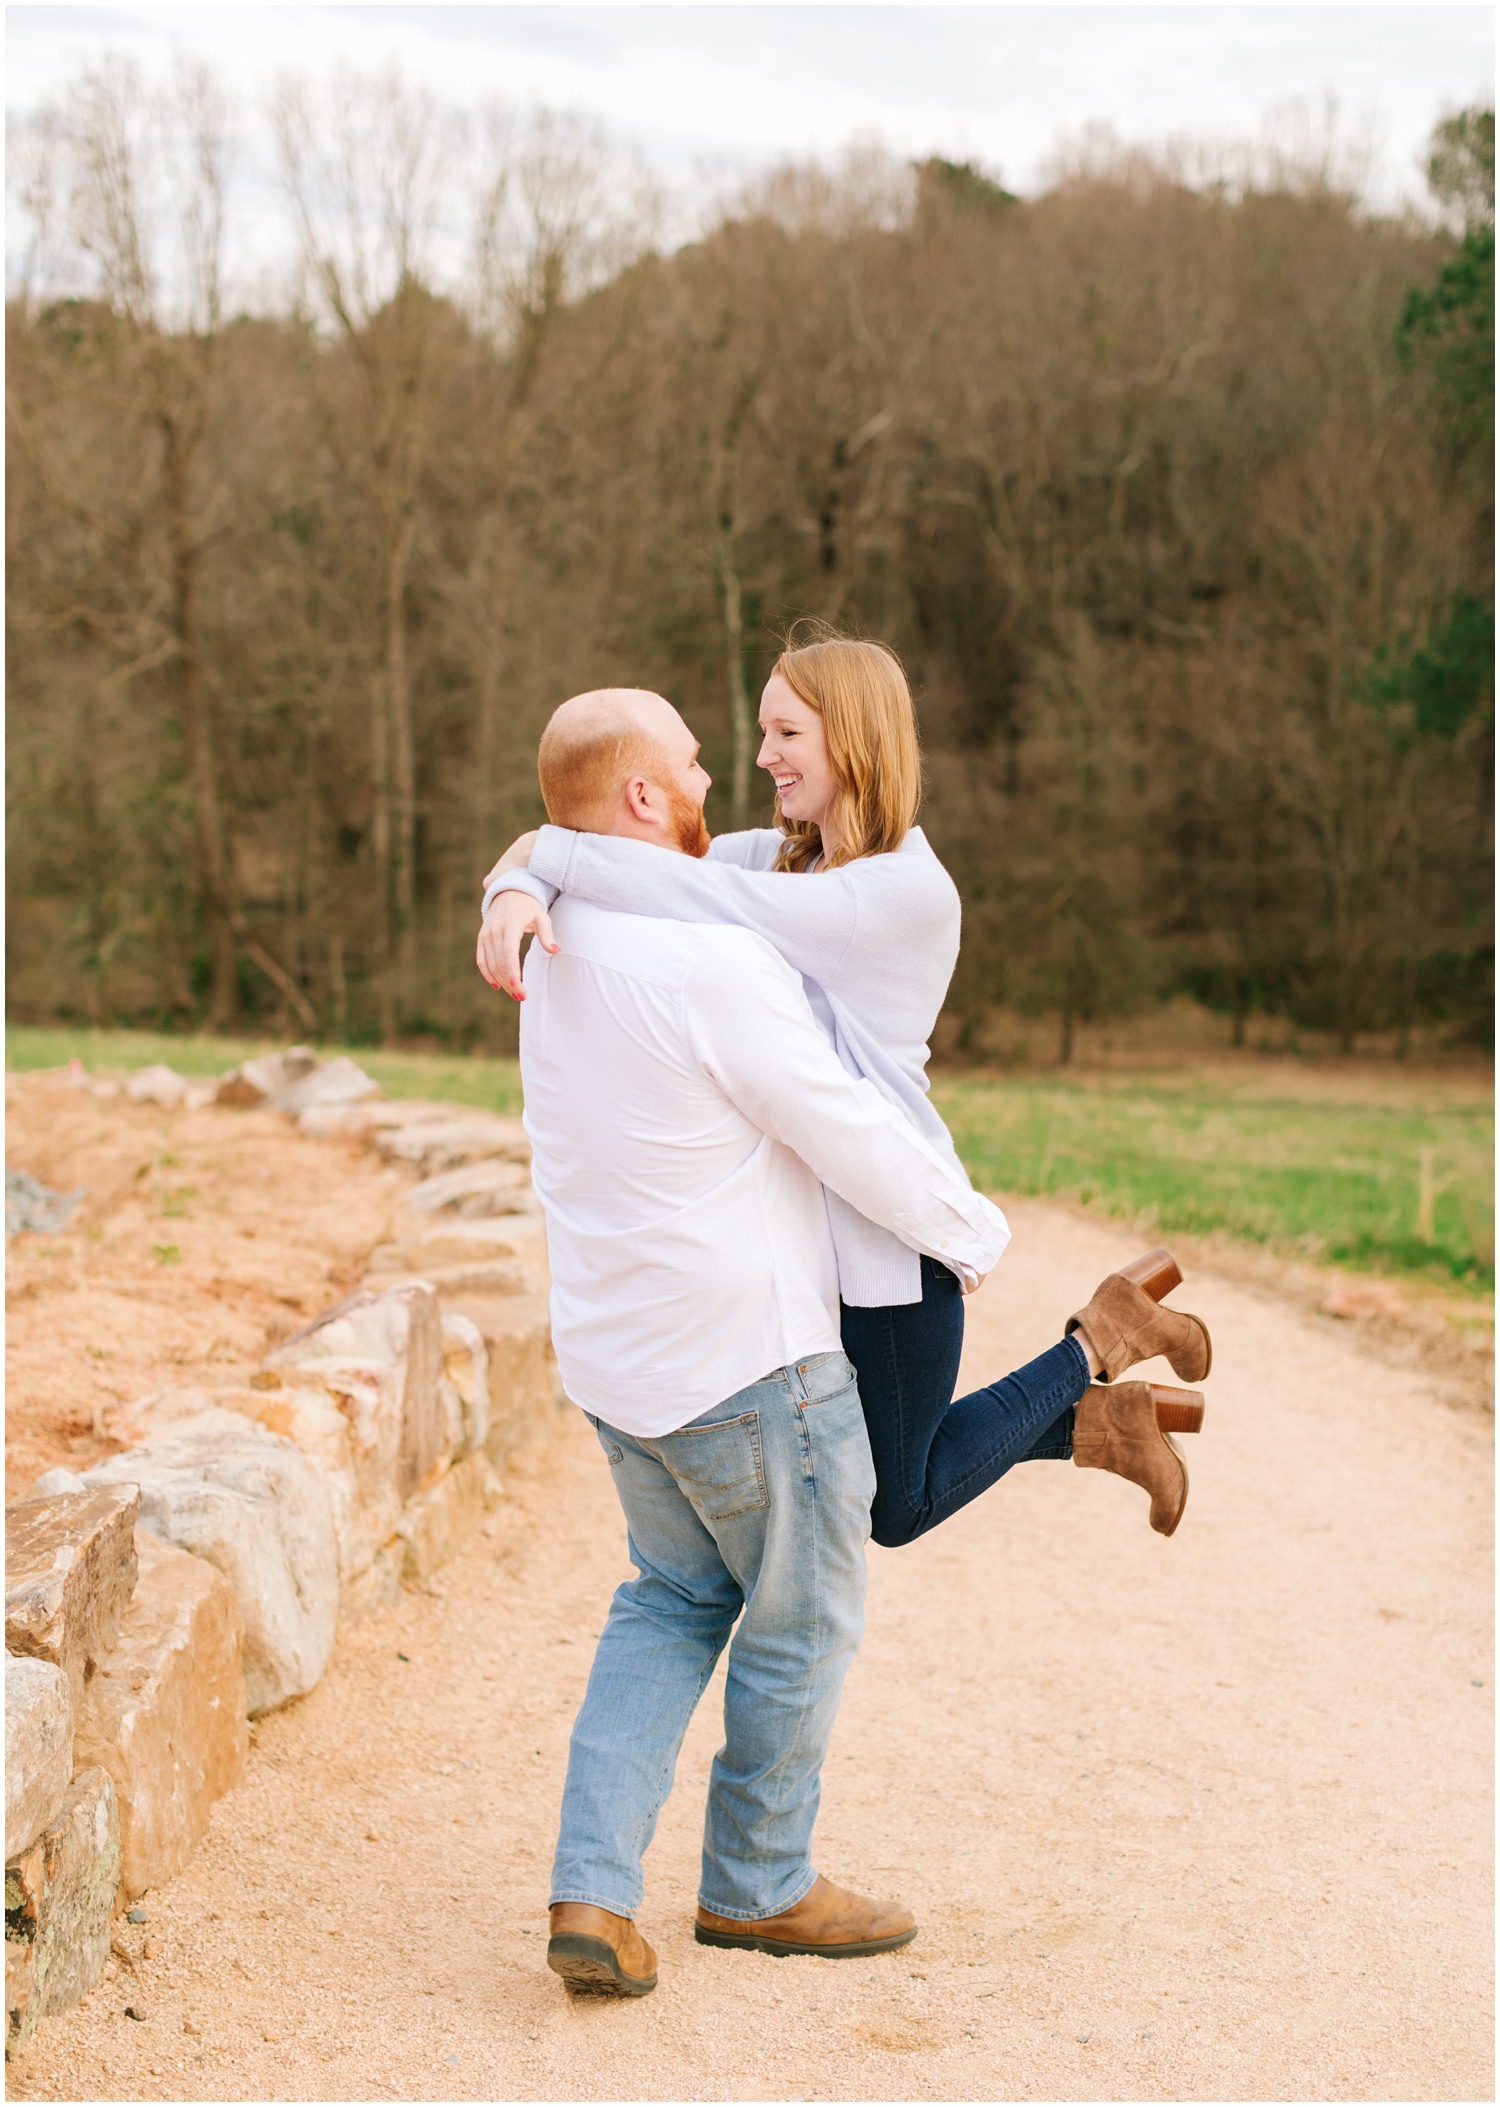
(755,1035)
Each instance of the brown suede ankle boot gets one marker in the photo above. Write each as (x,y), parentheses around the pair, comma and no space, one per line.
(1124,1322)
(1123,1429)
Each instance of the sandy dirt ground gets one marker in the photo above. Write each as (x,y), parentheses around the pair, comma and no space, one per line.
(1205,1819)
(203,1235)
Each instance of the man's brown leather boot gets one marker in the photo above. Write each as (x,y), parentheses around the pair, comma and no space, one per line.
(829,1920)
(593,1949)
(1128,1429)
(1124,1322)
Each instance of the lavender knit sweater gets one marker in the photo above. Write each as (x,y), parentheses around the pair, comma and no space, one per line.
(875,942)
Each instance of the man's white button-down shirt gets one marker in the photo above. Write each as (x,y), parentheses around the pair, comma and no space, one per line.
(685,1113)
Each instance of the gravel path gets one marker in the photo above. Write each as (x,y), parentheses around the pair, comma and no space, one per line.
(1200,1819)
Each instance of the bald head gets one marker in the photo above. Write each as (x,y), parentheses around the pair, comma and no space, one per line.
(621,761)
(593,745)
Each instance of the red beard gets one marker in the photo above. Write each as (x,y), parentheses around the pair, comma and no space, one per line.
(688,831)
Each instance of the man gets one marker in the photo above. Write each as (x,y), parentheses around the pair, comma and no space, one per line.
(685,1112)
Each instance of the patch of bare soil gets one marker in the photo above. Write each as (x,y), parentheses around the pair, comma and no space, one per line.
(204,1235)
(1199,1819)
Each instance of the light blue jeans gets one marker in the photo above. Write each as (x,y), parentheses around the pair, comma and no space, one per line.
(757,1511)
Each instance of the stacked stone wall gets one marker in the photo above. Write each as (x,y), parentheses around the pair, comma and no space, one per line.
(162,1598)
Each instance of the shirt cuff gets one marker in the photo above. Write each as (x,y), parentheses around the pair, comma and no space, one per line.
(519,881)
(972,1247)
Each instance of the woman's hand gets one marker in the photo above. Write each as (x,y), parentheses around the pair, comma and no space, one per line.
(516,858)
(511,917)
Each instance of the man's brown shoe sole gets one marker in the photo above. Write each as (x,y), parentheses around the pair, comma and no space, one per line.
(756,1942)
(592,1964)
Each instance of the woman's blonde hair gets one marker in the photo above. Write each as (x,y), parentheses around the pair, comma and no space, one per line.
(860,692)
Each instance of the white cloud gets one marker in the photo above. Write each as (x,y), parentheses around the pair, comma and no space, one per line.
(732,88)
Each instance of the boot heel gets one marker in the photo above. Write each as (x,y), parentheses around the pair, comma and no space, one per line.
(1177,1411)
(1157,1273)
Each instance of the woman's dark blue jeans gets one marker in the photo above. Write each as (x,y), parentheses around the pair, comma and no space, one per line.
(935,1452)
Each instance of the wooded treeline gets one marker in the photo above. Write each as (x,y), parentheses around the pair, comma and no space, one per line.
(1175,496)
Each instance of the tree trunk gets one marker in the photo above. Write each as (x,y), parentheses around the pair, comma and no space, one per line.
(739,696)
(380,844)
(212,849)
(96,918)
(403,771)
(490,658)
(1240,1010)
(338,987)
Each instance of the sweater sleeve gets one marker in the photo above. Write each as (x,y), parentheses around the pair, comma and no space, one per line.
(519,881)
(753,849)
(809,918)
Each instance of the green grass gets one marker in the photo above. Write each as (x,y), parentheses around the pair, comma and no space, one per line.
(1334,1179)
(1322,1165)
(466,1080)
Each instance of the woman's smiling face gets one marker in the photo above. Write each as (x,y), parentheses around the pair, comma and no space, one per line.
(794,753)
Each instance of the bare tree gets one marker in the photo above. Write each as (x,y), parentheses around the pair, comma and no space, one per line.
(553,215)
(132,184)
(366,166)
(1193,580)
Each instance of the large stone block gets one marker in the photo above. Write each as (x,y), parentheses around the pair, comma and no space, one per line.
(525,1401)
(379,1114)
(439,1518)
(335,1122)
(467,1137)
(497,1186)
(252,1505)
(318,1421)
(466,1366)
(69,1570)
(433,1242)
(340,1081)
(500,1276)
(378,1585)
(295,1081)
(55,1481)
(38,1748)
(266,1076)
(396,1339)
(347,1413)
(333,1416)
(58,1899)
(157,1085)
(166,1714)
(31,1205)
(492,1255)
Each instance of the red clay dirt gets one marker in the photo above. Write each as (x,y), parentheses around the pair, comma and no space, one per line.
(204,1235)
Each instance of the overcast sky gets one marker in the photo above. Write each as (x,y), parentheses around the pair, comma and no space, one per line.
(730,88)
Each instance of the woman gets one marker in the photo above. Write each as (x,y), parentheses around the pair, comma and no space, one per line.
(849,891)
